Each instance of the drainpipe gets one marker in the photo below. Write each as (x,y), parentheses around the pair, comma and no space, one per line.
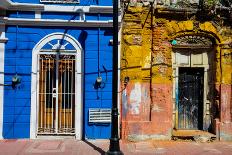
(114,148)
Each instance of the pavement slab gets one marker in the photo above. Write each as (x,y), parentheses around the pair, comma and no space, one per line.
(99,147)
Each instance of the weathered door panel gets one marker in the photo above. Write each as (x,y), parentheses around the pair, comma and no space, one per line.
(190,98)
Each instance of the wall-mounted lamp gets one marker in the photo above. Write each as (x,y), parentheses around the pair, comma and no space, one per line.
(99,83)
(16,80)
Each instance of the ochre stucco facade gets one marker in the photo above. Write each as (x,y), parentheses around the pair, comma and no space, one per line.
(148,100)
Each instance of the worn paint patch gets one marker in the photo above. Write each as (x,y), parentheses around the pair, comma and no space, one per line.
(135,99)
(212,150)
(147,62)
(226,104)
(157,108)
(138,137)
(225,137)
(124,103)
(225,99)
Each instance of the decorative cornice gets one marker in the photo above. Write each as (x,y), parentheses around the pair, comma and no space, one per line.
(9,5)
(45,22)
(101,9)
(84,9)
(26,7)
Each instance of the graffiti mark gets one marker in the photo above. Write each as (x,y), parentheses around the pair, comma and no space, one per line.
(135,99)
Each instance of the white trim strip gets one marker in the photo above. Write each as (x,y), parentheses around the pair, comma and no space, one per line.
(9,5)
(84,9)
(60,1)
(2,57)
(45,22)
(26,7)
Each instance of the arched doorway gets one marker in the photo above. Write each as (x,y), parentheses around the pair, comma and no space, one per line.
(193,61)
(56,100)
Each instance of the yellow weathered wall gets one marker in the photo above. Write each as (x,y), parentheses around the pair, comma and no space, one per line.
(150,71)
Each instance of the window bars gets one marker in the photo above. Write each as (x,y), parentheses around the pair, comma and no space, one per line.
(56,94)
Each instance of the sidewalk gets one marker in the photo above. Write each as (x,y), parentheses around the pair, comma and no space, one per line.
(96,147)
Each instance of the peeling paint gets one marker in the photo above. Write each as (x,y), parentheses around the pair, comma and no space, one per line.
(135,137)
(124,103)
(156,108)
(225,98)
(147,62)
(135,99)
(160,58)
(226,137)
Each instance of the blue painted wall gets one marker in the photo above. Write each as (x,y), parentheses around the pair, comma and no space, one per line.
(82,2)
(18,59)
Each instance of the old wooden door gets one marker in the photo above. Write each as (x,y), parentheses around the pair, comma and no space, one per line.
(56,108)
(190,98)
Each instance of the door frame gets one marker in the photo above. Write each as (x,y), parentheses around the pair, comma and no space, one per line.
(78,82)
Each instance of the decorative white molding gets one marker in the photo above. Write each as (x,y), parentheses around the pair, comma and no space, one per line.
(9,5)
(60,1)
(2,57)
(56,22)
(26,7)
(85,9)
(78,82)
(100,9)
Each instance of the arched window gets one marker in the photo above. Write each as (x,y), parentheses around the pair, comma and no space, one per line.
(57,67)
